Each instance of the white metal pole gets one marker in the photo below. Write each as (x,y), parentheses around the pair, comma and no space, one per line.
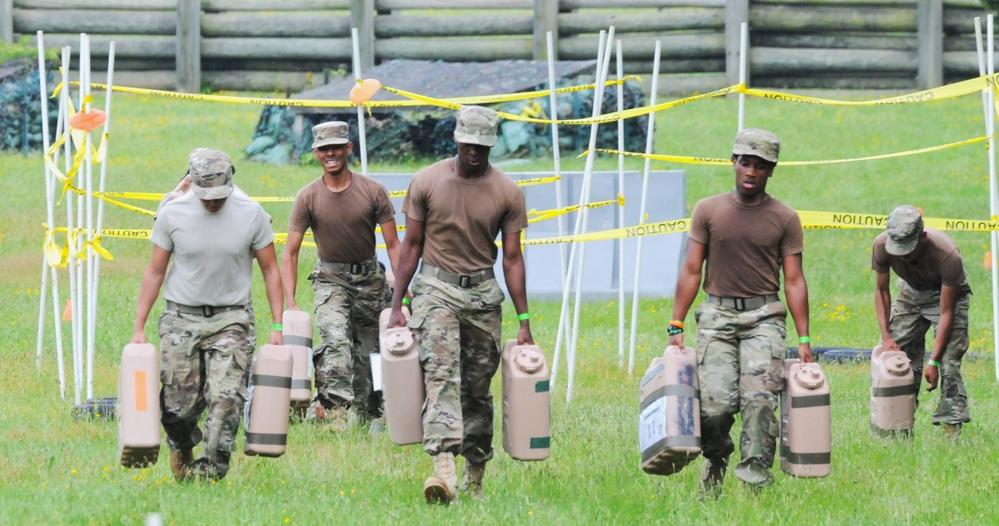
(564,322)
(95,285)
(56,303)
(620,209)
(990,121)
(70,229)
(560,183)
(743,64)
(361,137)
(587,185)
(42,97)
(649,143)
(47,270)
(88,164)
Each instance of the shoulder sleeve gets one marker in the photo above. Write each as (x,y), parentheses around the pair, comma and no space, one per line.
(699,229)
(384,211)
(415,204)
(299,220)
(879,256)
(515,218)
(952,269)
(794,236)
(161,231)
(263,234)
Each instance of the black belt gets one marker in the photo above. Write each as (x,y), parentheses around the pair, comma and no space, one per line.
(463,281)
(204,310)
(741,304)
(353,268)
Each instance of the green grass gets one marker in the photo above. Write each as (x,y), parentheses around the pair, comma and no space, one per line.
(57,470)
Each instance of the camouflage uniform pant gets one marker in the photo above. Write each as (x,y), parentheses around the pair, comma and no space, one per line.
(458,332)
(912,314)
(740,358)
(347,307)
(204,363)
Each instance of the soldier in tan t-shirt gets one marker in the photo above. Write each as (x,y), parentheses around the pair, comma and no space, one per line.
(342,209)
(933,291)
(742,239)
(454,211)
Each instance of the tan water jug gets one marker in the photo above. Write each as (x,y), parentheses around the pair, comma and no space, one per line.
(669,424)
(139,405)
(893,398)
(806,421)
(402,378)
(297,334)
(269,403)
(526,402)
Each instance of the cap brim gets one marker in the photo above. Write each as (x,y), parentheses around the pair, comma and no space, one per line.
(469,138)
(738,150)
(212,192)
(327,142)
(896,248)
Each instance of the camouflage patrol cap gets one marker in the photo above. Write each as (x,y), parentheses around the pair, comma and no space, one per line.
(476,125)
(754,141)
(904,226)
(211,173)
(332,132)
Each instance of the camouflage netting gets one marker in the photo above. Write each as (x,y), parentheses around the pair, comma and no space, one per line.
(407,133)
(20,113)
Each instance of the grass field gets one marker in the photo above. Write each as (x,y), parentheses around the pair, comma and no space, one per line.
(56,470)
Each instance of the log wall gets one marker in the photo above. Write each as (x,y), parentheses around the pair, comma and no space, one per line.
(191,45)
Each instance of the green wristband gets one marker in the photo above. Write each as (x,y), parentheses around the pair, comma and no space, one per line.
(524,316)
(804,339)
(406,301)
(278,327)
(934,363)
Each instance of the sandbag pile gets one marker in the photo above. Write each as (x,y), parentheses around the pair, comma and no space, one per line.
(20,112)
(424,133)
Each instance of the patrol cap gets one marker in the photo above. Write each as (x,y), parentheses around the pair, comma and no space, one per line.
(904,226)
(211,173)
(332,132)
(754,141)
(476,125)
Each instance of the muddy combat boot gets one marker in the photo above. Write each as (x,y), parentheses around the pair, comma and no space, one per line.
(180,464)
(712,477)
(471,481)
(441,488)
(952,431)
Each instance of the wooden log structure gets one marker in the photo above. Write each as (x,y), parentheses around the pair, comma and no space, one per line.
(265,45)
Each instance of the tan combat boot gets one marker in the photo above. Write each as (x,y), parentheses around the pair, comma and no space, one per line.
(442,487)
(180,464)
(952,431)
(472,480)
(712,477)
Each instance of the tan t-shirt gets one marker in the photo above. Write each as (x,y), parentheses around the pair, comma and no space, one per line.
(463,216)
(940,263)
(343,223)
(745,243)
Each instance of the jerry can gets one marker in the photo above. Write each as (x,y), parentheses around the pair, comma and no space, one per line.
(297,334)
(269,403)
(893,397)
(669,424)
(805,421)
(402,378)
(526,402)
(139,405)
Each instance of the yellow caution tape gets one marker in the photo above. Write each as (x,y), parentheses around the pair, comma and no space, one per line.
(957,89)
(555,212)
(315,103)
(728,162)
